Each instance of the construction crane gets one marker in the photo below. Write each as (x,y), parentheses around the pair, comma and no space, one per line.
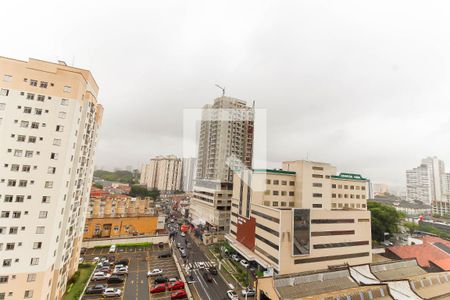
(222,88)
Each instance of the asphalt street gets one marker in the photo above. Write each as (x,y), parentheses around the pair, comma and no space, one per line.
(215,290)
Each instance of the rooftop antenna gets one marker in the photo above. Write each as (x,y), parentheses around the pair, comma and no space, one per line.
(222,88)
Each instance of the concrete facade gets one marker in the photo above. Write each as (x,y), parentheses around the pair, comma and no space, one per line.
(338,225)
(49,119)
(163,173)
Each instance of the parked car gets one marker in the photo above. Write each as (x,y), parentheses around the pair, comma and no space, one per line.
(160,279)
(104,263)
(81,260)
(111,258)
(173,279)
(244,263)
(183,254)
(123,262)
(83,250)
(180,294)
(249,292)
(100,276)
(121,271)
(165,254)
(201,265)
(232,295)
(112,249)
(159,288)
(207,276)
(235,257)
(213,270)
(103,269)
(96,259)
(154,272)
(112,292)
(183,234)
(115,279)
(178,245)
(96,289)
(177,285)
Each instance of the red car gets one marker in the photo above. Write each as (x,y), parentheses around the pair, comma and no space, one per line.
(159,288)
(177,285)
(180,294)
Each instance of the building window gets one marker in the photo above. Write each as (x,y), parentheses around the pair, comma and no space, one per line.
(48,184)
(8,198)
(276,182)
(267,192)
(26,168)
(35,125)
(43,214)
(333,186)
(41,98)
(13,230)
(28,153)
(28,294)
(283,193)
(30,96)
(345,187)
(9,246)
(31,139)
(67,89)
(38,111)
(16,214)
(282,203)
(33,82)
(275,193)
(24,124)
(54,156)
(4,92)
(15,168)
(56,142)
(20,198)
(291,193)
(37,245)
(44,84)
(21,138)
(275,203)
(59,128)
(317,184)
(31,277)
(317,176)
(64,102)
(317,168)
(333,232)
(283,182)
(7,78)
(291,183)
(45,199)
(62,115)
(51,170)
(4,279)
(12,182)
(34,261)
(7,262)
(317,205)
(317,195)
(40,230)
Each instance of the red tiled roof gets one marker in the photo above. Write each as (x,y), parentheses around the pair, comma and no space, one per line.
(425,253)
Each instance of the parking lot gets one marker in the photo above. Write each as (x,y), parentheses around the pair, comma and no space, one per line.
(142,259)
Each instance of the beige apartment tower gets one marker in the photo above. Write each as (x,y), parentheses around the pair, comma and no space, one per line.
(163,173)
(49,119)
(303,217)
(226,142)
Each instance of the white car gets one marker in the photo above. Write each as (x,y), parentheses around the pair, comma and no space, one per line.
(112,249)
(245,263)
(112,292)
(173,279)
(183,234)
(235,257)
(154,272)
(120,271)
(232,295)
(100,276)
(249,292)
(81,260)
(96,259)
(201,265)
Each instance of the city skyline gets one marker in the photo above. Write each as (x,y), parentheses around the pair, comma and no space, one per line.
(396,92)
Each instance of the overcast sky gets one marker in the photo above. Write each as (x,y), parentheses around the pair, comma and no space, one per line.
(364,85)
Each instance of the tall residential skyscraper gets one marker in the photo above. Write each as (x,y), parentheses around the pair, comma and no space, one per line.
(49,118)
(189,171)
(430,184)
(163,173)
(226,132)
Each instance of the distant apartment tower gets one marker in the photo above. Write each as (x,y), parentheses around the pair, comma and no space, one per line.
(302,217)
(380,189)
(189,171)
(163,173)
(227,130)
(49,119)
(430,184)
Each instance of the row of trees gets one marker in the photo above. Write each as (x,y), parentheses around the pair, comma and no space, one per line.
(118,176)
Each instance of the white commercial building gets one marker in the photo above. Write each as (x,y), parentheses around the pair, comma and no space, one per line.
(189,170)
(49,118)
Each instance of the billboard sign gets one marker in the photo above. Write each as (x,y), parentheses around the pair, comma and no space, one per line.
(301,228)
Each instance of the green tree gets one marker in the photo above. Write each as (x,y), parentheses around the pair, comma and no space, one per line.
(122,176)
(142,191)
(98,185)
(385,219)
(411,226)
